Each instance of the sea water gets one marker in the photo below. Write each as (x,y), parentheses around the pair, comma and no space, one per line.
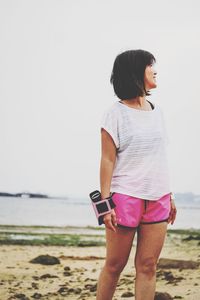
(73,212)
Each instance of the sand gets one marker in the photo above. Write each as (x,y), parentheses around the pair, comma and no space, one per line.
(76,275)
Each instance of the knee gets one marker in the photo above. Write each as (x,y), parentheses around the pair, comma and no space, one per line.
(114,267)
(146,266)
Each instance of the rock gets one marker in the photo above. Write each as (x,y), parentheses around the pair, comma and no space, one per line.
(162,296)
(17,284)
(177,264)
(84,295)
(67,268)
(127,294)
(36,277)
(91,287)
(168,276)
(37,296)
(171,278)
(77,291)
(64,285)
(128,275)
(21,297)
(125,281)
(45,260)
(48,276)
(34,285)
(63,291)
(67,273)
(90,279)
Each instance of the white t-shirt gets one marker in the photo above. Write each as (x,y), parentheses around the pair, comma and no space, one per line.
(141,168)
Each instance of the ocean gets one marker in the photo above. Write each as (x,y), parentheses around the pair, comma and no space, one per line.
(73,212)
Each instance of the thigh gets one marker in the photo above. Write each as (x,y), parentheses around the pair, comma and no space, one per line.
(150,240)
(118,245)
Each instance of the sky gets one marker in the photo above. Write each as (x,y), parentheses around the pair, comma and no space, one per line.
(56,59)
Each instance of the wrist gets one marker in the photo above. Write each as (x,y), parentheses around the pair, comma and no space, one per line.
(105,195)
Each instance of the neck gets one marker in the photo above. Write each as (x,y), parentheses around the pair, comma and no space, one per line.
(137,101)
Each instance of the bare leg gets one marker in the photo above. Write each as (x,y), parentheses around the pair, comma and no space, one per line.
(149,245)
(118,247)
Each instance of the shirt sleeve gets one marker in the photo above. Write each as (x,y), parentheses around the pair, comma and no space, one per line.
(109,122)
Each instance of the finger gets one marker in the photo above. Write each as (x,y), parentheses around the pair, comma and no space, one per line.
(106,218)
(114,219)
(173,216)
(108,221)
(170,217)
(110,226)
(172,220)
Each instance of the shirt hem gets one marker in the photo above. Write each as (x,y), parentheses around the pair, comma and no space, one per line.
(140,196)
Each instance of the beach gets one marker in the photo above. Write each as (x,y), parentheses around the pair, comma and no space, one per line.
(79,255)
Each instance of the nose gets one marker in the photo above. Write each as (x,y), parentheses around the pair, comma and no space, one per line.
(154,70)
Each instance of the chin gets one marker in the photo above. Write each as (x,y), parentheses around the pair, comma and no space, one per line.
(153,85)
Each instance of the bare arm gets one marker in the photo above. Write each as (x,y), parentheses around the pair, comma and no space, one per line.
(108,158)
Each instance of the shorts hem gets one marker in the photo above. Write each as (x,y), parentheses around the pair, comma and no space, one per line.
(154,222)
(124,226)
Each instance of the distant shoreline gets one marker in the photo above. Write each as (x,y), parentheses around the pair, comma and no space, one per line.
(24,195)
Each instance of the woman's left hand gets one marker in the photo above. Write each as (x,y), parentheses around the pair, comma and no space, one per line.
(172,214)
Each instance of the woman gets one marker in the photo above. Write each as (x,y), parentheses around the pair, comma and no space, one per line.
(134,171)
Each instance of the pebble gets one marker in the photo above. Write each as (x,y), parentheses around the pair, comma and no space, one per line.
(21,296)
(36,296)
(162,296)
(67,273)
(127,294)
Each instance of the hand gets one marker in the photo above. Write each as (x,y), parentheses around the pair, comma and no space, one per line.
(110,220)
(172,214)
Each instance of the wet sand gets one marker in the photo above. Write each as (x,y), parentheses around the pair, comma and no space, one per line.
(75,277)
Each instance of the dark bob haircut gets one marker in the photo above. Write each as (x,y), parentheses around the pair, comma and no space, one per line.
(128,73)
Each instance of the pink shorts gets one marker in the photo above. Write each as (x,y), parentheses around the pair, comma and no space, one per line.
(131,211)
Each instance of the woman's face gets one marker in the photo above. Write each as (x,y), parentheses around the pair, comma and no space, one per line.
(150,77)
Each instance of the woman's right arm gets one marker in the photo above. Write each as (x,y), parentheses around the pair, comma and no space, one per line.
(108,158)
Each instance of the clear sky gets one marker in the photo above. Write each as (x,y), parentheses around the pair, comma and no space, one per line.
(55,63)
